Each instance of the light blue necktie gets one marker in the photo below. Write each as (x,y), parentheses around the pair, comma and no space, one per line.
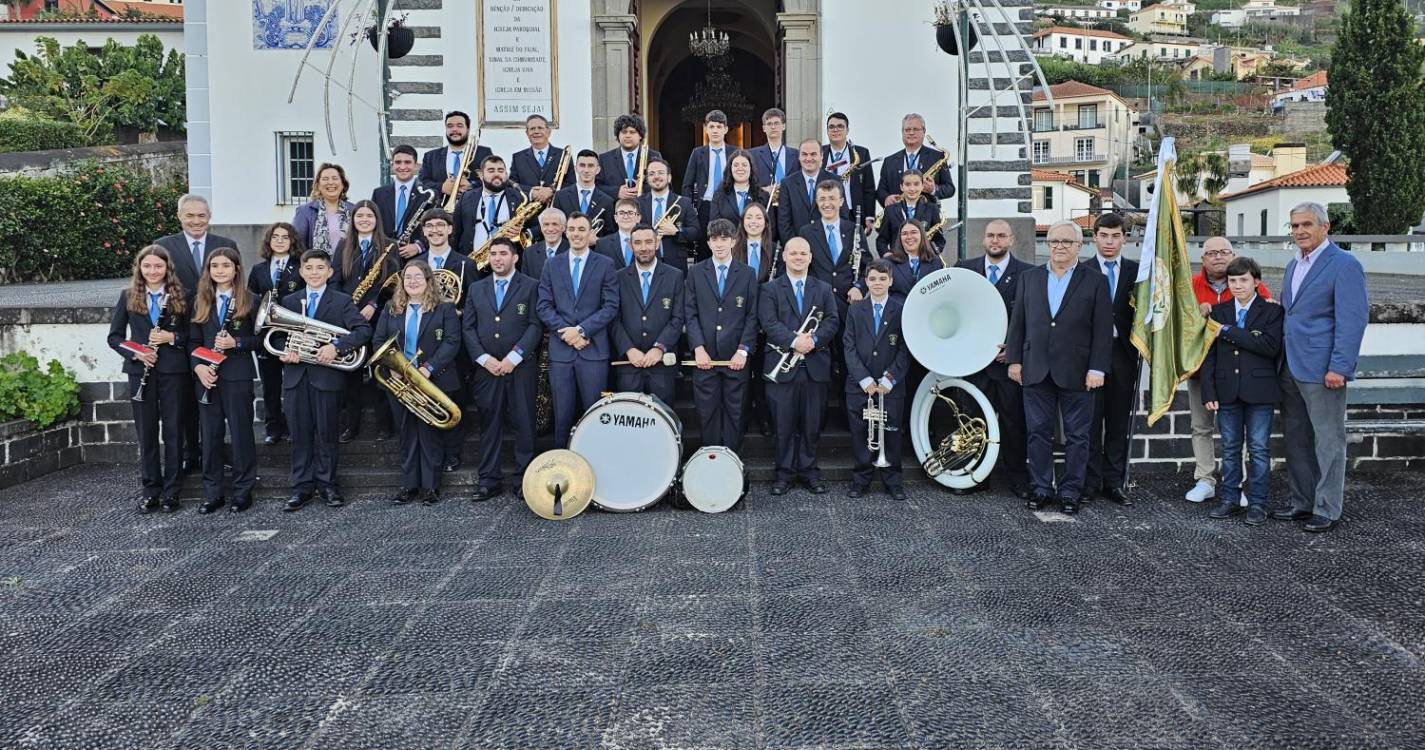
(717,167)
(198,254)
(222,309)
(646,275)
(657,210)
(741,201)
(915,268)
(628,170)
(721,280)
(578,263)
(439,262)
(800,298)
(413,331)
(779,172)
(909,212)
(754,256)
(456,169)
(811,191)
(1112,278)
(491,213)
(583,201)
(548,252)
(401,204)
(911,160)
(500,293)
(540,156)
(153,305)
(276,273)
(876,318)
(365,250)
(1241,318)
(312,304)
(834,243)
(627,253)
(994,274)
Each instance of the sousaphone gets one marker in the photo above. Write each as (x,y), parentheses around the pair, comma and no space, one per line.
(954,322)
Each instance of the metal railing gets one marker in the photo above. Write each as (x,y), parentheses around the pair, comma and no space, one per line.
(1076,159)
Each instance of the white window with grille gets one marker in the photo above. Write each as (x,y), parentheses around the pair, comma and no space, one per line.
(1083,149)
(1041,152)
(296,165)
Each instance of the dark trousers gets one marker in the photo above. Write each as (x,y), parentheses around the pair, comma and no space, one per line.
(315,417)
(192,435)
(361,390)
(756,411)
(1044,403)
(273,418)
(700,249)
(228,413)
(1007,397)
(657,380)
(798,405)
(159,417)
(1108,435)
(576,386)
(719,394)
(865,471)
(1250,423)
(454,438)
(422,448)
(500,398)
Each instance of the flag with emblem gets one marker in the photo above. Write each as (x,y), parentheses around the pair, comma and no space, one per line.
(1168,328)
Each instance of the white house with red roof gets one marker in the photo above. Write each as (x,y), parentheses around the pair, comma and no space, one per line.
(1084,45)
(1263,209)
(1088,133)
(1309,89)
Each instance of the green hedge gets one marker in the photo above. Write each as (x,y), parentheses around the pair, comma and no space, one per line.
(43,397)
(29,133)
(85,225)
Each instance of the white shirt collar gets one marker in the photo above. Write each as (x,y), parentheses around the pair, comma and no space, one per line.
(1002,264)
(408,183)
(794,278)
(649,270)
(577,254)
(581,186)
(665,195)
(444,253)
(319,291)
(882,301)
(506,277)
(1239,307)
(716,262)
(192,239)
(1311,256)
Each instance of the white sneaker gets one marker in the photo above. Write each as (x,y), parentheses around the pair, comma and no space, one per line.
(1243,501)
(1201,492)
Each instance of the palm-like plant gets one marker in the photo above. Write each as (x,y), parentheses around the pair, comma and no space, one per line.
(1215,174)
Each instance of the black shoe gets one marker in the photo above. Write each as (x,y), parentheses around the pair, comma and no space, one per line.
(1037,501)
(1021,491)
(451,464)
(347,436)
(274,439)
(779,487)
(296,501)
(815,486)
(1226,510)
(333,499)
(149,505)
(1256,516)
(1287,514)
(429,497)
(1069,507)
(856,491)
(209,506)
(484,493)
(169,504)
(406,495)
(897,493)
(383,434)
(1116,495)
(1318,524)
(239,506)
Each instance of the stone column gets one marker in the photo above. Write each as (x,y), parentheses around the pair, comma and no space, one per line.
(801,63)
(614,27)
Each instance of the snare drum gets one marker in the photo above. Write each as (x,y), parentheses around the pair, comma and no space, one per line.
(634,442)
(713,480)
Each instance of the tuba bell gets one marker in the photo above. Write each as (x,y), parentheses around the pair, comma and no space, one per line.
(304,335)
(954,322)
(428,403)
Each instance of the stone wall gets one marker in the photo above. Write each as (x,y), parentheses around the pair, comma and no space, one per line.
(164,162)
(1303,117)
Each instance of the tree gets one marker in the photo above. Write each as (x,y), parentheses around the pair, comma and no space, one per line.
(1215,175)
(1376,114)
(1186,179)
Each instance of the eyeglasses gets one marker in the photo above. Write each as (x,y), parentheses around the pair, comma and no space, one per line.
(625,213)
(1063,243)
(1209,253)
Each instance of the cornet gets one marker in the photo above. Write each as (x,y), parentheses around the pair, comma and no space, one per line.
(875,417)
(791,357)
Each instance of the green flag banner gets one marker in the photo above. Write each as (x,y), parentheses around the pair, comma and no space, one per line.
(1168,328)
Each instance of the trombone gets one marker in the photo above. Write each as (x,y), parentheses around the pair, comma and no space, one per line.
(791,357)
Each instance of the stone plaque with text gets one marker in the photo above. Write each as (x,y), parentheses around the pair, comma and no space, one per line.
(517,62)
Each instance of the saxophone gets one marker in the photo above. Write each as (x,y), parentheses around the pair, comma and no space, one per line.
(511,229)
(929,174)
(407,232)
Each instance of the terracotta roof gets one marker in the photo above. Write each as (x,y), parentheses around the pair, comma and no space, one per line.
(1076,31)
(91,21)
(1049,175)
(1071,89)
(1320,175)
(153,9)
(1310,82)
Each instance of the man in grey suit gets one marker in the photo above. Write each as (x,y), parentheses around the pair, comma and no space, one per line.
(1324,295)
(189,247)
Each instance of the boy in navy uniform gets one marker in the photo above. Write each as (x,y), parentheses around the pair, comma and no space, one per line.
(798,397)
(618,167)
(722,326)
(502,332)
(1240,382)
(585,195)
(650,321)
(876,363)
(312,392)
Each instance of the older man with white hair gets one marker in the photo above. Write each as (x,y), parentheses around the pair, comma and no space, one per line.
(189,247)
(1324,293)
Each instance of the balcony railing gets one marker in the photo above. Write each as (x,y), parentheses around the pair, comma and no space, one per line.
(1075,159)
(1074,125)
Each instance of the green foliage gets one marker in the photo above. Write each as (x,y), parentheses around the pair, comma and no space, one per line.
(93,222)
(1215,173)
(41,397)
(138,87)
(24,131)
(1376,114)
(1186,179)
(1107,74)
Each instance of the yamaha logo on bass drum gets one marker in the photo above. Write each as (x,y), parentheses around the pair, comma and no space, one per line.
(627,420)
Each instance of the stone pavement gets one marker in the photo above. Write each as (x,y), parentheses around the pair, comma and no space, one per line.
(794,622)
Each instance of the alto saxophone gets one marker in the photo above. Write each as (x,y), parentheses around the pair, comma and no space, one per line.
(407,232)
(929,174)
(511,229)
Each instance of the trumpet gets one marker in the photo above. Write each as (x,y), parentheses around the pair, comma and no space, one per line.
(670,218)
(467,154)
(791,357)
(875,417)
(559,173)
(597,223)
(304,335)
(395,373)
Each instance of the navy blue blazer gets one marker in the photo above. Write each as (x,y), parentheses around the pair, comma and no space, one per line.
(433,168)
(927,212)
(611,247)
(437,343)
(794,208)
(359,268)
(696,176)
(764,164)
(385,199)
(239,364)
(1326,319)
(460,265)
(127,326)
(568,201)
(1122,305)
(1008,288)
(861,188)
(334,308)
(724,206)
(894,165)
(614,174)
(777,312)
(259,279)
(875,354)
(593,309)
(1066,346)
(837,274)
(1243,363)
(721,325)
(533,258)
(677,248)
(660,322)
(514,326)
(526,172)
(903,279)
(181,255)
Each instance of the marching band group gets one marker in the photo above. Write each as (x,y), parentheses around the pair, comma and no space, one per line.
(776,274)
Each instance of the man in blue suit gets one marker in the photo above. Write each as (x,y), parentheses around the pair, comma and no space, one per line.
(1324,295)
(578,299)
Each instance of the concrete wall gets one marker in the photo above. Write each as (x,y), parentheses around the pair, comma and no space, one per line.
(164,162)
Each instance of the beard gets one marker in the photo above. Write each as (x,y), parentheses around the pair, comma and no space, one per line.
(457,143)
(493,187)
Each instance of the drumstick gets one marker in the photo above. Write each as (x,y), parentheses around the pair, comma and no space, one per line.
(670,359)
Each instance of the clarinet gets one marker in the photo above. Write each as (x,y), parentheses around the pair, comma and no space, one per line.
(227,319)
(162,316)
(856,249)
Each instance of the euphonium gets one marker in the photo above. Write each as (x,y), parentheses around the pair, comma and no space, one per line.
(511,229)
(304,335)
(791,357)
(428,403)
(960,449)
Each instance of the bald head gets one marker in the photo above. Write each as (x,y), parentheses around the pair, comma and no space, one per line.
(1216,254)
(999,238)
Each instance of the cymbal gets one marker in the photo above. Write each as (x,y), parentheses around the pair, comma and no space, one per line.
(565,471)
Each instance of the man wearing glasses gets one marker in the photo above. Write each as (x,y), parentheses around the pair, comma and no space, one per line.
(1210,286)
(915,155)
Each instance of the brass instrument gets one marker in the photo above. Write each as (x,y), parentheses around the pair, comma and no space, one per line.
(404,380)
(596,224)
(855,162)
(565,159)
(929,174)
(642,169)
(962,448)
(791,357)
(875,417)
(670,218)
(304,335)
(450,284)
(511,229)
(937,229)
(558,485)
(772,196)
(467,154)
(407,233)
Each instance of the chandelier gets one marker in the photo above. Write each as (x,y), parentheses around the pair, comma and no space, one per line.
(718,90)
(708,42)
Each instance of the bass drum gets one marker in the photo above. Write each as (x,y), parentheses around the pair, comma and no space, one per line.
(713,479)
(635,443)
(955,448)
